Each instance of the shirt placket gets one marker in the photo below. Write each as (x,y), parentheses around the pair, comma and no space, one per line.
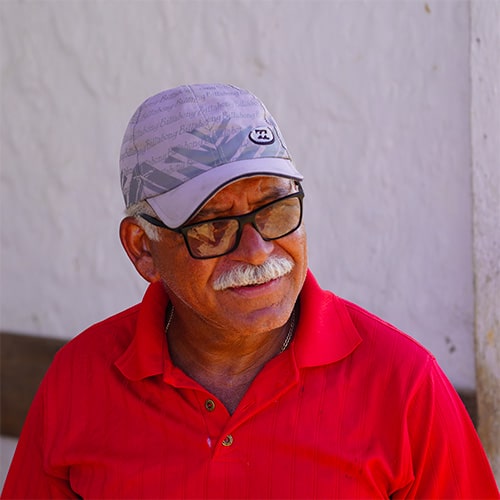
(216,419)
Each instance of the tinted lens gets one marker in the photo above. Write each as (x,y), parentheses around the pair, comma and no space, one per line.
(212,238)
(279,219)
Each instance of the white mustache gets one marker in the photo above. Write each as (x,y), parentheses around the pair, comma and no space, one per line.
(247,274)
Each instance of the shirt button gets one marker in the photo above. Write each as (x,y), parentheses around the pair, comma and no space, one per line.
(210,405)
(228,440)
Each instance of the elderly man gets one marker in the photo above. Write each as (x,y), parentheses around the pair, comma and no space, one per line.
(237,376)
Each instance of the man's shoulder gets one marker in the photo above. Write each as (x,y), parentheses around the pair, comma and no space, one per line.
(107,338)
(378,334)
(115,322)
(389,359)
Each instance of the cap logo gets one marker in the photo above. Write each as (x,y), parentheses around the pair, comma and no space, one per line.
(261,135)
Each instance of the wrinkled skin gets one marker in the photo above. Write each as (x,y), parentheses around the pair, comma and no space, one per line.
(242,311)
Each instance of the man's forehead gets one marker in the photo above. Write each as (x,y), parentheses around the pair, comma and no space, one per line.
(255,189)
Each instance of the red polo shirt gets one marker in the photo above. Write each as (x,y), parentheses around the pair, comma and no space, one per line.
(352,409)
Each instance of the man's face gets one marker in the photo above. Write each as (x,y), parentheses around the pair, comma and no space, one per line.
(190,282)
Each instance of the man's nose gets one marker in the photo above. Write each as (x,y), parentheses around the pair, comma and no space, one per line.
(252,247)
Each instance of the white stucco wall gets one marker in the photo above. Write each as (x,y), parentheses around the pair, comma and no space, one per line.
(373,98)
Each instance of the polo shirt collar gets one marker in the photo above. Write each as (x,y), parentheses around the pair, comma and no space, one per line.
(146,354)
(325,332)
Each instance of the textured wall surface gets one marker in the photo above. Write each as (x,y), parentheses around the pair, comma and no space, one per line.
(373,98)
(485,79)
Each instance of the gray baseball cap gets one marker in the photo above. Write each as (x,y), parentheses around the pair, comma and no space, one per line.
(185,144)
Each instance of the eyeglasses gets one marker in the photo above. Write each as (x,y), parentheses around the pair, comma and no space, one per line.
(220,236)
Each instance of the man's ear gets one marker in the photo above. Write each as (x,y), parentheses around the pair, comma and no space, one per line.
(138,247)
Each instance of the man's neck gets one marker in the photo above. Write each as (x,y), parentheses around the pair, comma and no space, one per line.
(225,363)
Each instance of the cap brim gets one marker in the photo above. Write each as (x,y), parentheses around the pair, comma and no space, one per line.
(177,206)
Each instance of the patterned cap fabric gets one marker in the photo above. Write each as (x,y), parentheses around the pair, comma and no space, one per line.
(183,145)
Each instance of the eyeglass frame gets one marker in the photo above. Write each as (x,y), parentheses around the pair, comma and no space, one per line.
(242,220)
